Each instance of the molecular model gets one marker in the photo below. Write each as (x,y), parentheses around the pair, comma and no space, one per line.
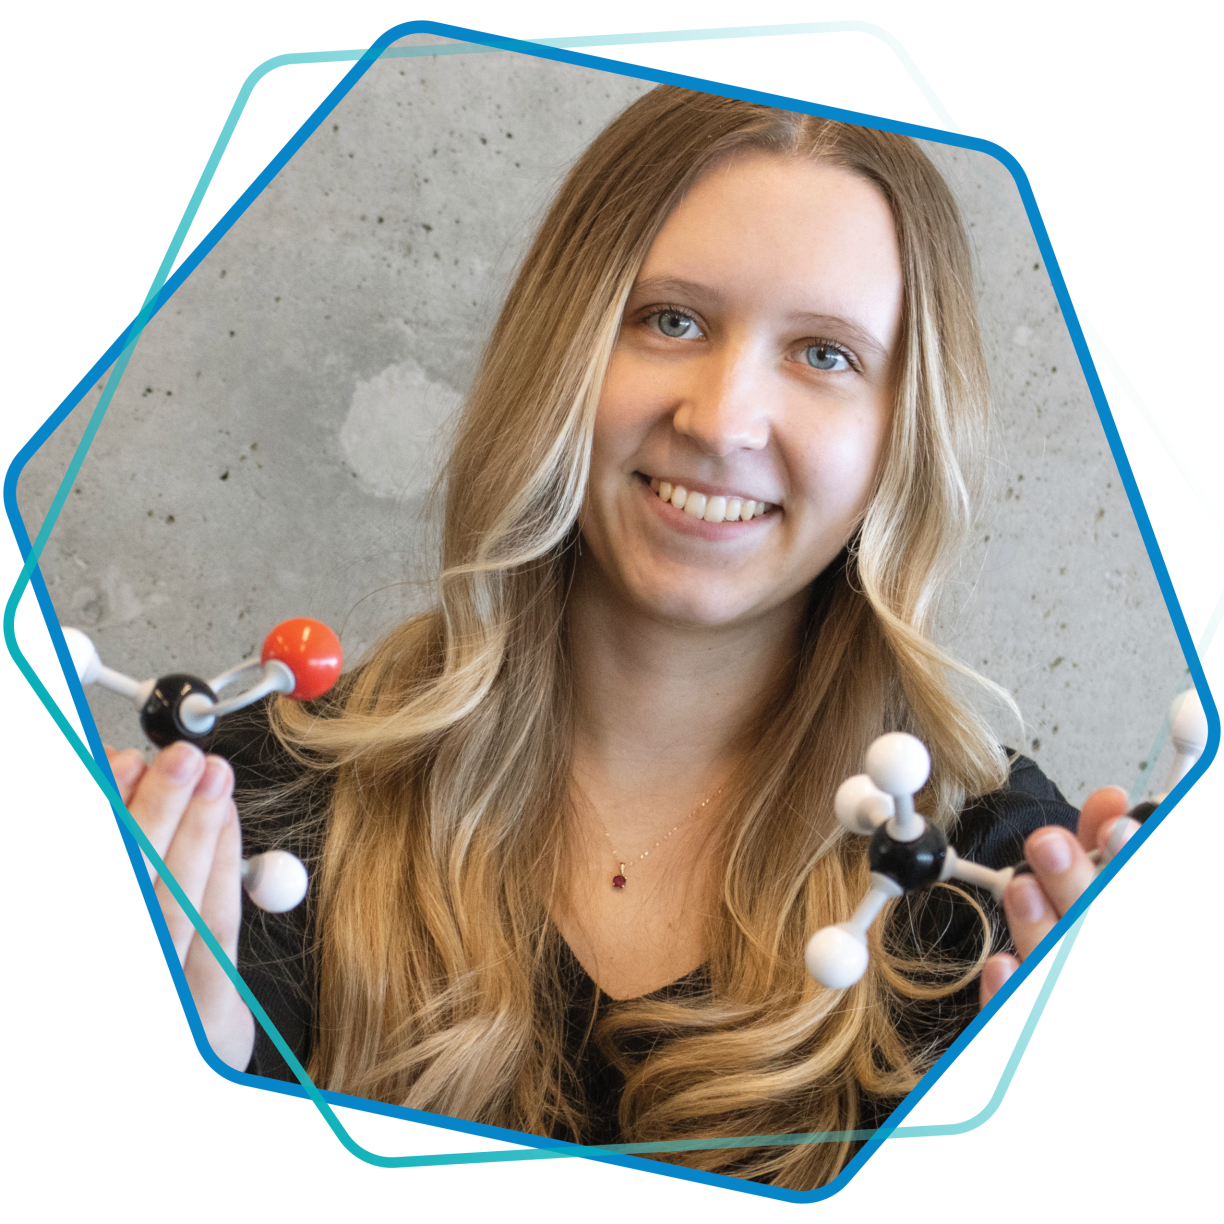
(300,657)
(907,854)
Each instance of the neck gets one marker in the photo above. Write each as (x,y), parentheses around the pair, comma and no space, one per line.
(663,710)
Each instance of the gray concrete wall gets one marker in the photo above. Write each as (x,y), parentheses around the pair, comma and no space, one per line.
(270,450)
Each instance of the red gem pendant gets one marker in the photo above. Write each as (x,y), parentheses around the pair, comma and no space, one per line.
(618,881)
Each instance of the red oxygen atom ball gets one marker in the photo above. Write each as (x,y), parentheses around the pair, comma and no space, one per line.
(310,650)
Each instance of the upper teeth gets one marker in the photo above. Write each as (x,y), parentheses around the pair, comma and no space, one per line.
(711,509)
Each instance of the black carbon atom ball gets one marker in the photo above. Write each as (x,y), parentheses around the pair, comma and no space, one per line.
(1141,811)
(159,717)
(913,865)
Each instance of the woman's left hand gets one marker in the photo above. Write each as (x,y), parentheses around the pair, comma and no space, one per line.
(1061,872)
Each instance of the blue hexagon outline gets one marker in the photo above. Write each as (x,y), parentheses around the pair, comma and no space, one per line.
(135,842)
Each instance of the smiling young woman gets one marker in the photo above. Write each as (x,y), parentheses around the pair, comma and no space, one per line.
(571,829)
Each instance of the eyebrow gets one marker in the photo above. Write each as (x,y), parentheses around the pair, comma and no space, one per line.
(855,333)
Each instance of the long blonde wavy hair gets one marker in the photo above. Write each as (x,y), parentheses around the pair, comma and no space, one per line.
(441,849)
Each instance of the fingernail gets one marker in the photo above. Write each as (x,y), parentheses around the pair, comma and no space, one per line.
(216,778)
(1027,899)
(181,761)
(1049,852)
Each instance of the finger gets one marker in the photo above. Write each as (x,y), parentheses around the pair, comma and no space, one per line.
(995,973)
(1060,864)
(1030,916)
(164,792)
(221,904)
(1113,835)
(190,855)
(128,768)
(226,1018)
(1101,807)
(221,909)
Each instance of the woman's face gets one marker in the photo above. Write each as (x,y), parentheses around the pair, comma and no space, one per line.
(753,366)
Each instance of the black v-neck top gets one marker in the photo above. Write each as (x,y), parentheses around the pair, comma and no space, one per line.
(276,959)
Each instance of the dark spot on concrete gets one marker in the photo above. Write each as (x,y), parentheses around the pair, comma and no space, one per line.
(335,127)
(169,518)
(225,474)
(1036,744)
(223,272)
(231,333)
(380,220)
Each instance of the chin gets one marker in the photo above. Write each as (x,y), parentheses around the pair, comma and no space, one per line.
(709,607)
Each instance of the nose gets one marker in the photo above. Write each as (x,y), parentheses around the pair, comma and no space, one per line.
(723,408)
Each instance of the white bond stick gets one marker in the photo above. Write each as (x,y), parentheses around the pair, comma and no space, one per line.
(836,956)
(882,891)
(91,670)
(995,882)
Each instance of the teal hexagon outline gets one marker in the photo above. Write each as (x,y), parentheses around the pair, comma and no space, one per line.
(475,42)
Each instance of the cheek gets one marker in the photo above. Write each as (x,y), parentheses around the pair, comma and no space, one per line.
(618,421)
(838,467)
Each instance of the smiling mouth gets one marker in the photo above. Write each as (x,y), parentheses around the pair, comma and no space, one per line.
(710,508)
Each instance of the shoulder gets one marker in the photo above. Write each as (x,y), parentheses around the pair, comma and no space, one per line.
(992,828)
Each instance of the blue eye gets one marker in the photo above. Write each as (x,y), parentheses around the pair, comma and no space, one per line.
(676,325)
(825,357)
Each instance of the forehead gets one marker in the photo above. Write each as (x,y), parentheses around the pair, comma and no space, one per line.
(772,225)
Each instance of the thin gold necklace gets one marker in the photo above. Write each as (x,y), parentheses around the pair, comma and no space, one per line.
(618,880)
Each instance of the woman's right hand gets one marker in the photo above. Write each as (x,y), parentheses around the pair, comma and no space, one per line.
(184,804)
(1061,869)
